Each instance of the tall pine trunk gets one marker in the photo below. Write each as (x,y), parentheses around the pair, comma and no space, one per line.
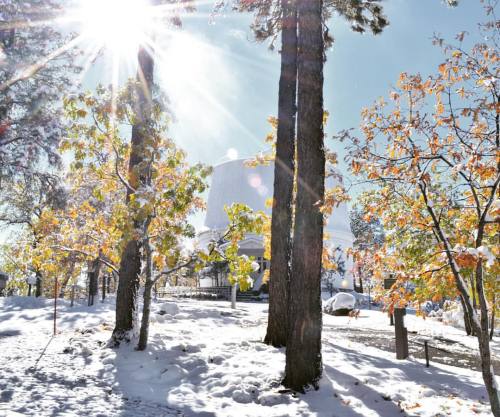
(284,166)
(303,353)
(130,264)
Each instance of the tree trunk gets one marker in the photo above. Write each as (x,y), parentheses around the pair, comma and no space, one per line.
(67,278)
(72,295)
(303,353)
(234,290)
(95,271)
(104,278)
(146,310)
(467,323)
(139,173)
(38,286)
(493,311)
(484,345)
(284,168)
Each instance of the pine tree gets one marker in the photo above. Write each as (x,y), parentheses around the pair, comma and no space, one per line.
(303,352)
(31,88)
(284,168)
(271,17)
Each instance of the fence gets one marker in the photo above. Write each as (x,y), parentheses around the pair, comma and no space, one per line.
(222,292)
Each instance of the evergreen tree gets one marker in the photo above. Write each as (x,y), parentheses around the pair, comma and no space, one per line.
(284,168)
(303,352)
(271,17)
(35,71)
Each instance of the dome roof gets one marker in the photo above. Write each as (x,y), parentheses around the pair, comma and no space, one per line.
(233,181)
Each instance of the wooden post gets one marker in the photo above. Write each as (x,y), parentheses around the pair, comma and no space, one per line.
(426,348)
(401,333)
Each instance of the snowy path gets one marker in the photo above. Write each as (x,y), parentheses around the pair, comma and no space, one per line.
(206,360)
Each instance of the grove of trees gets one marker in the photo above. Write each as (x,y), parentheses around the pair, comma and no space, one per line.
(430,154)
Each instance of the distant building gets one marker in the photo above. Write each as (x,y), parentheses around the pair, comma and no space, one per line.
(234,182)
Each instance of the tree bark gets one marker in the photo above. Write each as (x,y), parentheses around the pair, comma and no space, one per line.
(284,168)
(484,345)
(148,286)
(479,324)
(67,278)
(467,323)
(95,271)
(139,174)
(493,311)
(234,290)
(38,286)
(303,353)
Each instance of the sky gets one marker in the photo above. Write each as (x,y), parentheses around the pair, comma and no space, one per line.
(222,85)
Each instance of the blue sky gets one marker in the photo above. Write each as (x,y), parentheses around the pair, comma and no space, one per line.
(223,85)
(243,75)
(359,69)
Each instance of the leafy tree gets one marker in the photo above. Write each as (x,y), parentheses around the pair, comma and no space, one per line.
(368,237)
(152,214)
(36,69)
(432,151)
(368,232)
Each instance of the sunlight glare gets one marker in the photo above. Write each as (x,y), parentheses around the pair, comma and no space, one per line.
(118,25)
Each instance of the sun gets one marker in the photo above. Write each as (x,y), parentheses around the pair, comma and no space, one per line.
(118,25)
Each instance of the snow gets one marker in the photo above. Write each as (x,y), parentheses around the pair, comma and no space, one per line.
(339,301)
(169,308)
(205,359)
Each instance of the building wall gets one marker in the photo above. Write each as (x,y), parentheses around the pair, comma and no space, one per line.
(234,182)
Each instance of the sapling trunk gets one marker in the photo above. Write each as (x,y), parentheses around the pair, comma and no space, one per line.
(148,286)
(233,296)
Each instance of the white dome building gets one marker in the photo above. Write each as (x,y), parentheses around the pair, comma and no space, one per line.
(234,182)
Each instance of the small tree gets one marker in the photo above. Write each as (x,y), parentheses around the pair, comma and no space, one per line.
(432,151)
(161,206)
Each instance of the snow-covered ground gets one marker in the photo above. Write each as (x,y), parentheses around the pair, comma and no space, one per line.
(205,359)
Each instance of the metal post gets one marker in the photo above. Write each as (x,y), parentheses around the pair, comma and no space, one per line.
(55,306)
(426,348)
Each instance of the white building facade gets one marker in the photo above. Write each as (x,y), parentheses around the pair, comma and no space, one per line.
(235,182)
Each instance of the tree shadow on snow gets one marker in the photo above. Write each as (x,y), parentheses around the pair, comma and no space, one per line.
(434,378)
